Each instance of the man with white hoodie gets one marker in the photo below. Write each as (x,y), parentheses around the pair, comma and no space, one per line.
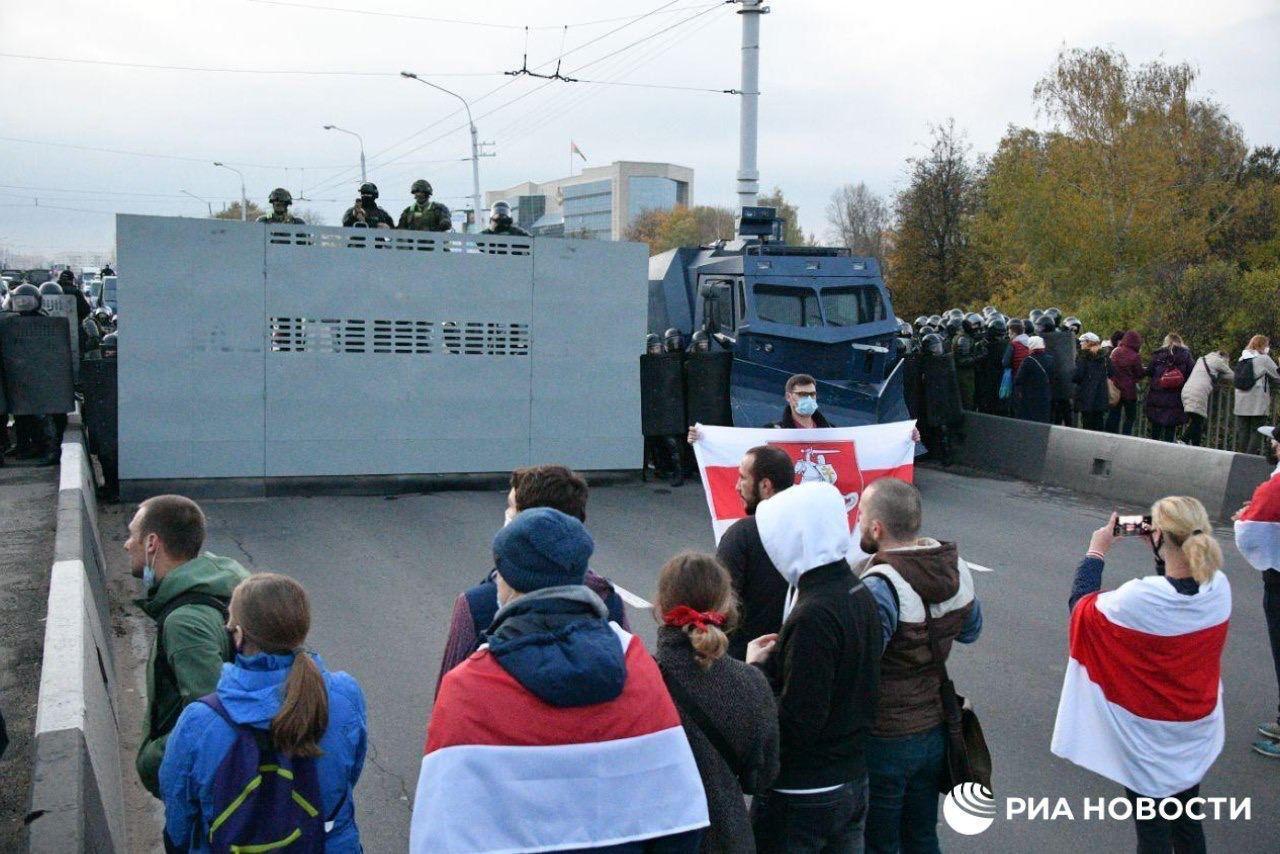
(824,666)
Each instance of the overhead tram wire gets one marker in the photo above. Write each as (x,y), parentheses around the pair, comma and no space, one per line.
(404,16)
(186,159)
(214,70)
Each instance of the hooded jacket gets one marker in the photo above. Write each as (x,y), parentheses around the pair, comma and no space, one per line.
(560,696)
(1164,405)
(195,648)
(1033,387)
(1126,366)
(1257,400)
(825,666)
(1090,379)
(1196,394)
(252,689)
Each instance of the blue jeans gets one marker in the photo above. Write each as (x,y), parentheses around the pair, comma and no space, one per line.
(826,823)
(903,775)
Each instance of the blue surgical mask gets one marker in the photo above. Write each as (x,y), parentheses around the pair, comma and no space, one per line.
(148,578)
(806,406)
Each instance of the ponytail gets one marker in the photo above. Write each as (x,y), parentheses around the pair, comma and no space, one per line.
(709,643)
(695,594)
(1204,555)
(1185,524)
(274,614)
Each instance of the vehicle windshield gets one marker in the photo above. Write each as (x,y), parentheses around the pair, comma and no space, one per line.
(852,306)
(792,306)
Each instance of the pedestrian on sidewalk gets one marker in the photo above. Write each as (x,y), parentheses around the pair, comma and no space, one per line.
(1170,366)
(824,667)
(1198,393)
(1090,379)
(925,597)
(1126,372)
(186,592)
(278,724)
(725,705)
(1256,379)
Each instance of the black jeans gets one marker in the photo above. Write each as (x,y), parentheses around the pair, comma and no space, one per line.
(1271,607)
(1195,429)
(1164,432)
(1248,439)
(1183,835)
(1130,410)
(1060,412)
(826,823)
(1092,420)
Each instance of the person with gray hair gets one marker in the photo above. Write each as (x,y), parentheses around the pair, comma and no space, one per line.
(925,598)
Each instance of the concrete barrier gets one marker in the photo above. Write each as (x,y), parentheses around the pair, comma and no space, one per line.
(77,794)
(1127,469)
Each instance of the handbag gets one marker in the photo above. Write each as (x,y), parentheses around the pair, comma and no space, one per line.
(1113,393)
(967,758)
(1171,380)
(1006,384)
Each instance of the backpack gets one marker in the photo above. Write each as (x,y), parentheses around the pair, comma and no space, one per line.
(219,604)
(264,800)
(1245,378)
(1171,380)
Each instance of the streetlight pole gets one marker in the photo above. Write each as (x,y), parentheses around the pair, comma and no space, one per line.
(198,199)
(475,144)
(363,177)
(748,116)
(244,200)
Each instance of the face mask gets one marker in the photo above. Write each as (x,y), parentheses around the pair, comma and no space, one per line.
(508,515)
(148,577)
(1155,549)
(806,406)
(1269,453)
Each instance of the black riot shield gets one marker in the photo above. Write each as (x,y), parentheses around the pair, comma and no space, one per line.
(911,382)
(941,390)
(36,353)
(706,388)
(98,378)
(662,394)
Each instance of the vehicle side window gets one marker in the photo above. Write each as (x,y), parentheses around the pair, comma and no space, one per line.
(853,306)
(791,306)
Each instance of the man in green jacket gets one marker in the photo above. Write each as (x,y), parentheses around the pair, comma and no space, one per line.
(186,592)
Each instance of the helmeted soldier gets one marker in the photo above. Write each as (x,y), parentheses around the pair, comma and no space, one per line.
(500,222)
(365,213)
(652,344)
(969,350)
(66,284)
(700,342)
(37,434)
(989,371)
(280,200)
(424,214)
(943,416)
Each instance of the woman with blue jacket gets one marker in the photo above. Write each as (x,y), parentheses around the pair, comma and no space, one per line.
(277,705)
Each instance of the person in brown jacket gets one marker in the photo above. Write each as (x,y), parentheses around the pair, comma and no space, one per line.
(906,574)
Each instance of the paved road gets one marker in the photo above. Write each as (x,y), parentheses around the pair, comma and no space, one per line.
(383,573)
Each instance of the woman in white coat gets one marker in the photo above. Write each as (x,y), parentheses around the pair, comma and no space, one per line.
(1253,407)
(1198,391)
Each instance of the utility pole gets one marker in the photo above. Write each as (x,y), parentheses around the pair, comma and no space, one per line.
(208,203)
(475,144)
(363,176)
(749,115)
(244,199)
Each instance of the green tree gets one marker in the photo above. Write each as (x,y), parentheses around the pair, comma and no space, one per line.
(791,231)
(681,226)
(232,211)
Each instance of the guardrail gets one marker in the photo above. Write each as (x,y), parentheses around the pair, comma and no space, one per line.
(1220,426)
(77,793)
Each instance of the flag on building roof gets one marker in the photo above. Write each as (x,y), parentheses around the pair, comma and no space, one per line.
(573,149)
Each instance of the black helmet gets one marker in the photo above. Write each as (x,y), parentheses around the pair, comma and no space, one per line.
(904,329)
(1044,324)
(972,322)
(25,299)
(957,313)
(932,344)
(997,327)
(1073,323)
(652,344)
(51,289)
(368,188)
(422,185)
(953,324)
(921,322)
(501,212)
(280,194)
(935,320)
(673,340)
(989,310)
(700,341)
(66,274)
(1035,314)
(1055,313)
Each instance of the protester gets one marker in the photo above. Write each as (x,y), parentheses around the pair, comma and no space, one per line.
(1257,529)
(474,609)
(275,707)
(1017,346)
(612,764)
(802,404)
(1090,379)
(186,593)
(1170,366)
(761,592)
(908,574)
(1142,698)
(726,706)
(1126,372)
(1197,393)
(824,667)
(1033,383)
(1256,377)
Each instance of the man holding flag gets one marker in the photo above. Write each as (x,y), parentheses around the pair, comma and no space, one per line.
(1258,539)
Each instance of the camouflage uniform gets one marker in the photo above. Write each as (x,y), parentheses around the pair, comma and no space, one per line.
(288,218)
(431,217)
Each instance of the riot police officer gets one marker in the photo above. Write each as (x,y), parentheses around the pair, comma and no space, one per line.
(280,200)
(67,285)
(424,214)
(672,342)
(943,416)
(988,372)
(37,435)
(970,350)
(365,213)
(500,222)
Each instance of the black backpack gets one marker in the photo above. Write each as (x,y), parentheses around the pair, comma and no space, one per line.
(158,728)
(1245,377)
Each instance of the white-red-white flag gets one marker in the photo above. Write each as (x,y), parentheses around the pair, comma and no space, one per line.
(1258,528)
(850,458)
(573,149)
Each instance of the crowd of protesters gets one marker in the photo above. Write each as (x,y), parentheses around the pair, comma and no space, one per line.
(1046,368)
(788,670)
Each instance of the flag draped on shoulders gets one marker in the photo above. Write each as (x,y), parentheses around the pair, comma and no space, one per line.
(1258,528)
(505,771)
(1142,697)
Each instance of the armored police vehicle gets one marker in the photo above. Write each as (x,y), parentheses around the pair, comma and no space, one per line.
(783,310)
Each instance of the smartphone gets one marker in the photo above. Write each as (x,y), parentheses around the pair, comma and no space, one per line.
(1132,526)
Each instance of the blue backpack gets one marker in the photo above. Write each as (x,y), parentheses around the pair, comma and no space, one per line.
(264,800)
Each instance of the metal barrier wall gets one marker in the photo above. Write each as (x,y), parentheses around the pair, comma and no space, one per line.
(273,351)
(1220,427)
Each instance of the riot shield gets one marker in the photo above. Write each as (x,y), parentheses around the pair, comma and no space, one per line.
(662,410)
(36,354)
(941,391)
(98,377)
(64,305)
(706,385)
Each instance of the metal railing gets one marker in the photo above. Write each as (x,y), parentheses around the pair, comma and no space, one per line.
(1220,426)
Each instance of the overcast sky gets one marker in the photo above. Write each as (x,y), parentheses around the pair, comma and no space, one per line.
(849,92)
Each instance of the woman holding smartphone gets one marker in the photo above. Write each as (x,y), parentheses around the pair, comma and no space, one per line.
(1142,697)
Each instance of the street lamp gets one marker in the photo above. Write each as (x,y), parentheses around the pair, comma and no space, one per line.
(363,177)
(475,144)
(244,200)
(198,199)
